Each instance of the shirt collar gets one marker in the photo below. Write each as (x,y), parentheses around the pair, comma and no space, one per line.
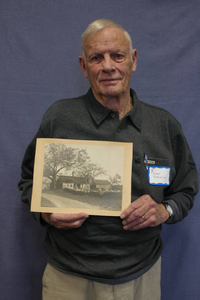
(100,112)
(135,114)
(95,108)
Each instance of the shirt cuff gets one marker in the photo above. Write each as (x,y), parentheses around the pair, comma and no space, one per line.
(39,218)
(175,217)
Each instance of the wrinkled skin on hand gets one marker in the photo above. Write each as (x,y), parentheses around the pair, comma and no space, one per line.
(65,221)
(143,212)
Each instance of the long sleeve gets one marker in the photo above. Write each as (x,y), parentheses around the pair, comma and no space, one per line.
(185,184)
(27,169)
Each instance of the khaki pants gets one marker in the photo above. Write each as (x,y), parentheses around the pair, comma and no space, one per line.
(61,286)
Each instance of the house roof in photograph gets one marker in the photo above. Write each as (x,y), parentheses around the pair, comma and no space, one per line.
(72,179)
(76,179)
(101,181)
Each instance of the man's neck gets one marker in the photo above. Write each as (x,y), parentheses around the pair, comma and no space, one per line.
(120,104)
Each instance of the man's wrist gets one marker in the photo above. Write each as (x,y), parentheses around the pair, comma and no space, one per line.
(169,210)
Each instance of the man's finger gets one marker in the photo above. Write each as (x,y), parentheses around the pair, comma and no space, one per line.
(68,217)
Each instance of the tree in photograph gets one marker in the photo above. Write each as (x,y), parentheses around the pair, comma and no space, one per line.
(90,171)
(59,157)
(115,180)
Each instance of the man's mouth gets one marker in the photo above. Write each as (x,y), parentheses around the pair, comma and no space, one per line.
(110,80)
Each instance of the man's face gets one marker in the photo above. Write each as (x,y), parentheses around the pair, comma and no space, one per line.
(108,63)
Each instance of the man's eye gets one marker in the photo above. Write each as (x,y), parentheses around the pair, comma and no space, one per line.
(96,58)
(118,57)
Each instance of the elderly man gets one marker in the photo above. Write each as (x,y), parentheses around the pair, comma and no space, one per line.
(92,257)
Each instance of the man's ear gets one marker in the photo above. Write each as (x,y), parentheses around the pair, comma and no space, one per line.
(134,59)
(83,66)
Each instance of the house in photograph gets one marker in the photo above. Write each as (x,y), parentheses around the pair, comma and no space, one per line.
(100,185)
(80,184)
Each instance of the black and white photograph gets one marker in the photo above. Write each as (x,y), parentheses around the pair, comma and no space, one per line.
(81,175)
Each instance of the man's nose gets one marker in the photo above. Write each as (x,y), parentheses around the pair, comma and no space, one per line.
(108,64)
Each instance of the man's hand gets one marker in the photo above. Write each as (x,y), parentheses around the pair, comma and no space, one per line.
(143,212)
(65,221)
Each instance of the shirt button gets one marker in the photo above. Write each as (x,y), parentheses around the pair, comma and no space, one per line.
(112,115)
(118,130)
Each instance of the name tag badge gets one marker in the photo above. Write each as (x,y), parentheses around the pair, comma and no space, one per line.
(159,175)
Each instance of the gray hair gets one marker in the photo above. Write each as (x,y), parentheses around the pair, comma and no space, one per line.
(99,25)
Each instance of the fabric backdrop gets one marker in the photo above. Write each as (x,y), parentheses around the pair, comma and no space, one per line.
(40,44)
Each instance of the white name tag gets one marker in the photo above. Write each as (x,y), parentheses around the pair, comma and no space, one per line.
(159,175)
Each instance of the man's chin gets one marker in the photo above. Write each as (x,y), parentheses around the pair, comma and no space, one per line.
(111,92)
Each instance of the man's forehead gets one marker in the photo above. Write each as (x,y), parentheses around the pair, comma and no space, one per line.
(109,38)
(103,50)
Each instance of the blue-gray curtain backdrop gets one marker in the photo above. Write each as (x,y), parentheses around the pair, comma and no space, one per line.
(39,48)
